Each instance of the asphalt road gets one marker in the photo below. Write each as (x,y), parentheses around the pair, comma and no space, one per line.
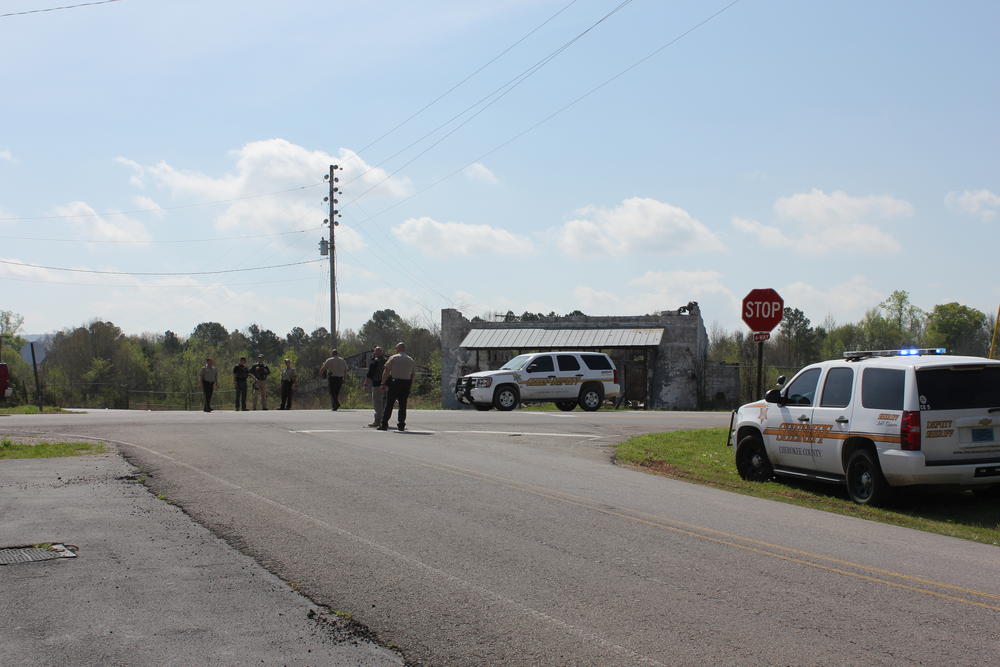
(511,538)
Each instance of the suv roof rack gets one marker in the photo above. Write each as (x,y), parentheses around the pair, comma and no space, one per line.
(857,355)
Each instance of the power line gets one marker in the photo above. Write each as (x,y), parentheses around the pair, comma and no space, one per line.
(145,285)
(555,113)
(97,214)
(160,273)
(158,242)
(457,85)
(55,9)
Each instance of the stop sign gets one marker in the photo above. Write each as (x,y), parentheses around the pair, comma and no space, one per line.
(763,309)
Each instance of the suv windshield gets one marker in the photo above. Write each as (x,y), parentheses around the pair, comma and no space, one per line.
(516,363)
(959,387)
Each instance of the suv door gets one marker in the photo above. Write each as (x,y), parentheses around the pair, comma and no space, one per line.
(788,428)
(831,419)
(537,378)
(568,377)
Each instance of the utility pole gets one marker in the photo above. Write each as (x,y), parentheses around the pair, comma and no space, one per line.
(329,247)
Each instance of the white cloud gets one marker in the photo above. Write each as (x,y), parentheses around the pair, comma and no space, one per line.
(661,290)
(838,208)
(981,203)
(148,204)
(638,225)
(447,239)
(817,223)
(7,156)
(110,226)
(481,173)
(845,302)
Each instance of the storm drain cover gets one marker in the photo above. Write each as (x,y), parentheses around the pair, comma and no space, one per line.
(14,555)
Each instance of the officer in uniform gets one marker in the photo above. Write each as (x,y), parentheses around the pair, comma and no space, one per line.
(397,379)
(240,375)
(260,371)
(208,375)
(287,381)
(334,369)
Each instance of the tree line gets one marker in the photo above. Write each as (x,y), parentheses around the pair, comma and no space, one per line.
(893,324)
(98,365)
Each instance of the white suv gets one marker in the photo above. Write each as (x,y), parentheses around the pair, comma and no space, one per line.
(875,420)
(566,378)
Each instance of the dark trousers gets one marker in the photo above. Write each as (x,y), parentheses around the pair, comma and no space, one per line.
(286,395)
(207,388)
(399,390)
(241,395)
(335,383)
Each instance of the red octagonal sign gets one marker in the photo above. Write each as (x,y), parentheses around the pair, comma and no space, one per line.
(763,309)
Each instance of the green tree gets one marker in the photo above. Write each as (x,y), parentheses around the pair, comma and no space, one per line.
(385,328)
(212,333)
(959,328)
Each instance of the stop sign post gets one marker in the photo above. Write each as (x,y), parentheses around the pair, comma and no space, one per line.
(762,311)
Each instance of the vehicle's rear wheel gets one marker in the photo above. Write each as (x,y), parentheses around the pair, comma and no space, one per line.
(751,460)
(505,398)
(591,397)
(482,407)
(865,483)
(566,406)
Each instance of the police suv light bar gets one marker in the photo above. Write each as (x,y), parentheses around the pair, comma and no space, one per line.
(902,352)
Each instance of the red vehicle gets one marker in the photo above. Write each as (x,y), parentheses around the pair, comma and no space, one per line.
(4,379)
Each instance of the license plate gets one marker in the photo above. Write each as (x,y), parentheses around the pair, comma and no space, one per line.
(982,435)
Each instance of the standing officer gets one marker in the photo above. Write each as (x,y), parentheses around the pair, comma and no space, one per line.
(260,371)
(334,369)
(287,380)
(240,375)
(398,375)
(374,380)
(208,375)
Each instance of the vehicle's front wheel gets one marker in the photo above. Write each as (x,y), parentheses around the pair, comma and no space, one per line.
(566,406)
(482,407)
(865,483)
(591,397)
(751,460)
(505,398)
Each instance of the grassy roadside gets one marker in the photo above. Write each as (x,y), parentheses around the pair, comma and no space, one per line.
(33,410)
(702,457)
(10,449)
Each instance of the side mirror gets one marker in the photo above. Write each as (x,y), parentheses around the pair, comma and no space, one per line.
(773,396)
(780,381)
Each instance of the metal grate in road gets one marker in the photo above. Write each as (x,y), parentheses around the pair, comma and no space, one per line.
(15,555)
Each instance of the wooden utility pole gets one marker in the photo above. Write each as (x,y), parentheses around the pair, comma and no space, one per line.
(332,221)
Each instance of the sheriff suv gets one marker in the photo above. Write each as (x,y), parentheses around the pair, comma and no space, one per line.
(876,420)
(566,378)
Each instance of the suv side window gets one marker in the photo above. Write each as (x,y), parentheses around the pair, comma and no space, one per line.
(596,362)
(802,390)
(837,388)
(567,362)
(541,364)
(882,388)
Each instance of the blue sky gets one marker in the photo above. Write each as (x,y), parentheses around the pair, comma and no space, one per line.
(833,151)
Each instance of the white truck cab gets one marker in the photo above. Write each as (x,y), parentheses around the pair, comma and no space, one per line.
(876,420)
(566,378)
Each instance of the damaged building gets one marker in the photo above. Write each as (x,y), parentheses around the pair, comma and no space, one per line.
(661,358)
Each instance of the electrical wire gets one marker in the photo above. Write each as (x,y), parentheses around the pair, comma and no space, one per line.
(157,285)
(457,85)
(555,113)
(160,273)
(158,242)
(55,9)
(97,214)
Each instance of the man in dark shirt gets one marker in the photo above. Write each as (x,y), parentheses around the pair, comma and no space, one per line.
(260,371)
(240,375)
(373,381)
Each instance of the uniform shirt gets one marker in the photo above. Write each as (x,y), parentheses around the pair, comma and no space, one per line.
(240,373)
(288,374)
(260,371)
(399,367)
(334,367)
(209,374)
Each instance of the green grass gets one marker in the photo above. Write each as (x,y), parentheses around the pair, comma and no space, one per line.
(43,450)
(702,457)
(32,410)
